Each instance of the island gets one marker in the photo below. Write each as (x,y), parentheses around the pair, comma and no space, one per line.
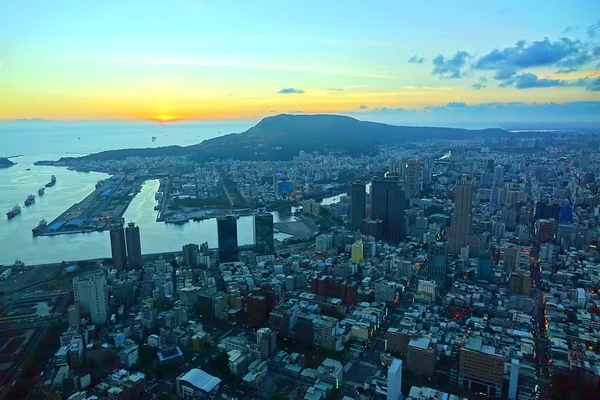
(5,163)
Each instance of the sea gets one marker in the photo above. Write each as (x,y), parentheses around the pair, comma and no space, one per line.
(26,142)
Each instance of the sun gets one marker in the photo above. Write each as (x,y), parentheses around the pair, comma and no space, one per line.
(165,118)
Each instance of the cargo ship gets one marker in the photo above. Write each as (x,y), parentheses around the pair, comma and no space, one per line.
(38,230)
(41,191)
(52,181)
(177,219)
(29,200)
(13,212)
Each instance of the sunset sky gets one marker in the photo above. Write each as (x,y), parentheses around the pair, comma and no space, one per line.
(220,59)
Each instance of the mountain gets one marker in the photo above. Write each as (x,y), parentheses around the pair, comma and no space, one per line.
(5,163)
(281,137)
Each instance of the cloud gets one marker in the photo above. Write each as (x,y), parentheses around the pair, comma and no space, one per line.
(334,89)
(481,84)
(363,107)
(569,29)
(528,81)
(592,30)
(456,104)
(594,85)
(416,59)
(291,91)
(450,68)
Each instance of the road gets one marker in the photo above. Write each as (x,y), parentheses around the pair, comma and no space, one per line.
(542,354)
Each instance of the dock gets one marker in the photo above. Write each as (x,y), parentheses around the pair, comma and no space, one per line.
(100,210)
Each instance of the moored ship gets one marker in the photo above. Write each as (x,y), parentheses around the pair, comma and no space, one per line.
(177,219)
(29,200)
(13,212)
(38,230)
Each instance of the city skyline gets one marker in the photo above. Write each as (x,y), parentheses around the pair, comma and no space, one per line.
(465,61)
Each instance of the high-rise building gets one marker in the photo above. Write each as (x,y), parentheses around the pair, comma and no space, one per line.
(520,283)
(227,236)
(190,254)
(358,197)
(257,311)
(484,266)
(461,218)
(325,332)
(266,340)
(413,177)
(387,204)
(117,247)
(546,229)
(90,292)
(134,246)
(584,161)
(498,174)
(437,262)
(420,356)
(510,258)
(481,366)
(394,380)
(356,254)
(263,233)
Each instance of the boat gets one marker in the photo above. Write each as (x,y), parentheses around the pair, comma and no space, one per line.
(41,191)
(154,138)
(39,229)
(13,212)
(29,200)
(177,219)
(52,181)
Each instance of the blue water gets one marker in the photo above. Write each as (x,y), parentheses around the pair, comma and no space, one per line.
(52,140)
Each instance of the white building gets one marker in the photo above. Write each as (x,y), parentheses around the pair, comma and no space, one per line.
(428,287)
(91,294)
(129,354)
(196,384)
(385,290)
(394,380)
(324,242)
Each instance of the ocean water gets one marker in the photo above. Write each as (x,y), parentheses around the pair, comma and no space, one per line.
(33,141)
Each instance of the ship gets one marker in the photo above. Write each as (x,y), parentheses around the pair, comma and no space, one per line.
(29,200)
(38,230)
(13,212)
(52,181)
(99,184)
(41,191)
(153,138)
(177,219)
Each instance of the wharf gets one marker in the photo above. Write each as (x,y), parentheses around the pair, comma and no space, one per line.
(101,209)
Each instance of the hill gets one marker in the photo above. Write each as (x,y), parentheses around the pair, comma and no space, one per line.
(5,163)
(281,137)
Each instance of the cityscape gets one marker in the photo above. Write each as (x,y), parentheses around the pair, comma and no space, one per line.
(325,200)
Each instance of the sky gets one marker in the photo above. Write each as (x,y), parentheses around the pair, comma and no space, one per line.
(413,61)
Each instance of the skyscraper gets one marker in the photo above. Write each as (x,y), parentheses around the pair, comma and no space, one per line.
(413,177)
(263,233)
(134,246)
(387,204)
(91,294)
(461,218)
(394,380)
(484,266)
(227,236)
(117,247)
(358,197)
(437,261)
(190,254)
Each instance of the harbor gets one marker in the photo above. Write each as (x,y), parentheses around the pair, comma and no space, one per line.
(97,212)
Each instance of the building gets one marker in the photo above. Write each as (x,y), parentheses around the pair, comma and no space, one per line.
(429,289)
(123,292)
(358,205)
(129,354)
(134,245)
(481,368)
(266,341)
(90,292)
(74,315)
(385,290)
(238,362)
(584,160)
(394,380)
(118,247)
(484,266)
(397,340)
(325,332)
(332,372)
(190,254)
(357,252)
(413,176)
(520,282)
(460,229)
(546,230)
(387,204)
(420,356)
(511,257)
(263,233)
(437,262)
(227,237)
(257,311)
(498,175)
(283,319)
(324,242)
(197,384)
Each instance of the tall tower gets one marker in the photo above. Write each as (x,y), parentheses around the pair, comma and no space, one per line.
(91,294)
(358,197)
(117,247)
(263,233)
(134,246)
(413,177)
(394,380)
(437,261)
(387,204)
(461,218)
(227,236)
